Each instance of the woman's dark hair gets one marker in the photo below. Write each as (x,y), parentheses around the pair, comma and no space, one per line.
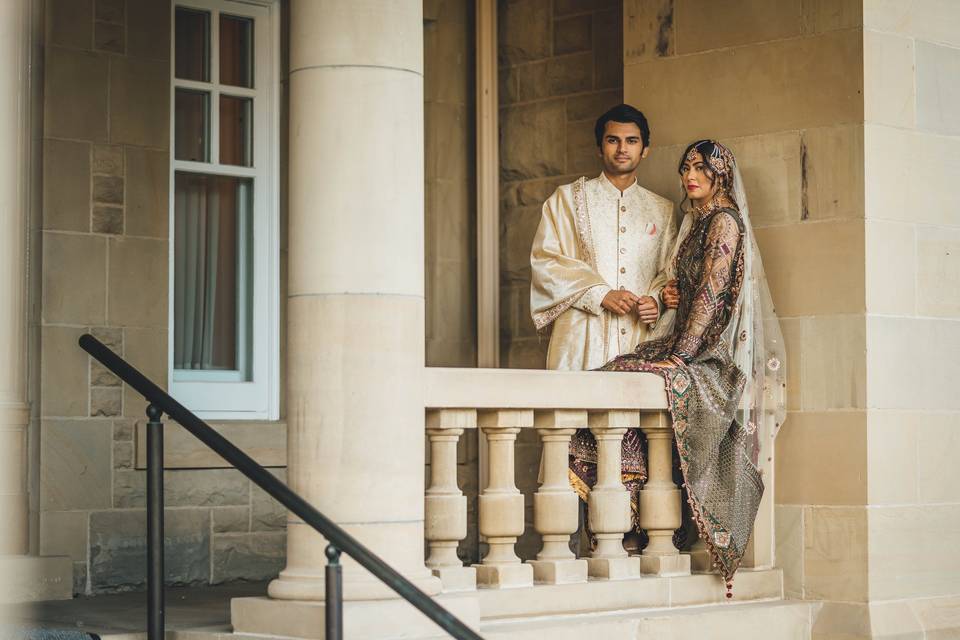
(705,148)
(711,151)
(626,114)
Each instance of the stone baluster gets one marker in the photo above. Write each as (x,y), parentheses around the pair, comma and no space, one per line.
(501,504)
(609,502)
(660,510)
(445,506)
(700,561)
(555,504)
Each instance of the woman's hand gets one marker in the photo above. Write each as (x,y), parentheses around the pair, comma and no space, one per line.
(670,295)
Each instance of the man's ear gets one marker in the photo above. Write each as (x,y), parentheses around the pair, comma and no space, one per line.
(644,153)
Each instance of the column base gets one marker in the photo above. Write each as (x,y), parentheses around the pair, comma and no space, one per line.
(457,578)
(614,568)
(35,578)
(504,576)
(669,565)
(559,571)
(700,561)
(362,620)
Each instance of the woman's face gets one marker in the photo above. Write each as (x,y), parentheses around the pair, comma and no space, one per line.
(698,183)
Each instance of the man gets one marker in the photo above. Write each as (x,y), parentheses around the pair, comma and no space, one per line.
(599,254)
(599,260)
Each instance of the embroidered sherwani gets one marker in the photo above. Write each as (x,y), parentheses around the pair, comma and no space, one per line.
(592,238)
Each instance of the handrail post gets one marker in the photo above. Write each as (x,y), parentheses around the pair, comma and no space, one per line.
(333,592)
(155,572)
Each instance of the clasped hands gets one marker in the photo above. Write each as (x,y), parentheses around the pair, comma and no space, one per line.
(622,302)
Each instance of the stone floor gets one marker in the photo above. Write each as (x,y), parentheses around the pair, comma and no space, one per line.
(124,616)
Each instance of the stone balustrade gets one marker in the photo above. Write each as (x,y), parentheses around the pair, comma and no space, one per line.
(503,403)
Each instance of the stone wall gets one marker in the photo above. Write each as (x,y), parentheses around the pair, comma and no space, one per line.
(560,68)
(104,269)
(912,240)
(450,184)
(781,83)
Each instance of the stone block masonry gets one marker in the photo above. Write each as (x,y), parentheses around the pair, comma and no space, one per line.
(561,66)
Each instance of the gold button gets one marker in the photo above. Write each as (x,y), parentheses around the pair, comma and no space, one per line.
(623,331)
(623,229)
(622,250)
(623,208)
(623,269)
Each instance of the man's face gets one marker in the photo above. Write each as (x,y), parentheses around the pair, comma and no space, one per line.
(621,148)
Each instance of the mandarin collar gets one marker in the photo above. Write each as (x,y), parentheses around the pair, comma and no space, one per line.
(608,186)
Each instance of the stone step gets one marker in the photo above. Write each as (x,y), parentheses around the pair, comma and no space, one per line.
(775,620)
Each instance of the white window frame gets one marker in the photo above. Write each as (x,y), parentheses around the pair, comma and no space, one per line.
(216,394)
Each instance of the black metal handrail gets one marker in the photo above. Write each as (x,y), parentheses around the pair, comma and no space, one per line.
(161,402)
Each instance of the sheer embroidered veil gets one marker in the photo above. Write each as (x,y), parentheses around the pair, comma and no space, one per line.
(753,334)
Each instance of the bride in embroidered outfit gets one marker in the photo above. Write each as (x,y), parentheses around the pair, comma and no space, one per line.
(722,356)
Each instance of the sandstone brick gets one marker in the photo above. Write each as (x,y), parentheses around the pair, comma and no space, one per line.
(111,11)
(523,31)
(107,219)
(608,49)
(100,376)
(649,30)
(66,185)
(247,556)
(230,519)
(508,85)
(108,189)
(122,430)
(63,372)
(266,514)
(148,29)
(111,337)
(569,74)
(705,24)
(205,487)
(129,489)
(565,7)
(590,106)
(109,37)
(571,35)
(530,144)
(106,401)
(75,101)
(137,265)
(76,469)
(123,455)
(139,101)
(108,159)
(70,23)
(148,186)
(80,578)
(938,99)
(118,547)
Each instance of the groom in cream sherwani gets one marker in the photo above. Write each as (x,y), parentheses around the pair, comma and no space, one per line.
(600,253)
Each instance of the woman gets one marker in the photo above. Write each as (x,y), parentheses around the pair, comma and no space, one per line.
(721,357)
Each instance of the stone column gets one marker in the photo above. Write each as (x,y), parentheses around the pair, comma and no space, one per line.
(660,512)
(355,350)
(14,411)
(609,502)
(555,504)
(25,577)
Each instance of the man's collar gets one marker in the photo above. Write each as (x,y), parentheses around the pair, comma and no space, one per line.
(609,187)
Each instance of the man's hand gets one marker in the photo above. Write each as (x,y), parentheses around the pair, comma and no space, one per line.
(620,301)
(648,310)
(670,295)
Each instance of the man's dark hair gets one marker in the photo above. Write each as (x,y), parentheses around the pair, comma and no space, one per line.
(623,113)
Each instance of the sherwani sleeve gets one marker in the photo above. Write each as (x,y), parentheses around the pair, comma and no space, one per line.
(560,277)
(723,236)
(664,270)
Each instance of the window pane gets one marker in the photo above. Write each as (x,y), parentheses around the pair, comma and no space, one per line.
(236,51)
(192,53)
(192,126)
(236,131)
(213,273)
